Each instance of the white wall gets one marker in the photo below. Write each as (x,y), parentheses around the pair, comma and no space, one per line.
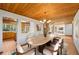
(33,28)
(55,29)
(0,33)
(33,31)
(76,27)
(68,29)
(15,17)
(51,28)
(22,37)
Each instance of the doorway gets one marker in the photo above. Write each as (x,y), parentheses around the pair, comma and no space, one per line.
(9,36)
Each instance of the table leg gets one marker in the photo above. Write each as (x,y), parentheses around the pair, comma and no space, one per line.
(35,51)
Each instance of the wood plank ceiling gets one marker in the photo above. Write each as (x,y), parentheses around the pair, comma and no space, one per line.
(39,11)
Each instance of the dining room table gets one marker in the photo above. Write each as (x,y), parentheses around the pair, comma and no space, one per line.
(36,41)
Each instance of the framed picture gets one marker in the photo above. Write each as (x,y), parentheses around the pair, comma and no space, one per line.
(38,27)
(25,27)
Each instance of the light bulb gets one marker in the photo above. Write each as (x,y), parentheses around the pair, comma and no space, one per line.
(44,20)
(41,21)
(48,21)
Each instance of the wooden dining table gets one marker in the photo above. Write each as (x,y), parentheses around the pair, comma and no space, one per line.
(37,41)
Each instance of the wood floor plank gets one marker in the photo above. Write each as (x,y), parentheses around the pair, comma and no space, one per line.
(71,49)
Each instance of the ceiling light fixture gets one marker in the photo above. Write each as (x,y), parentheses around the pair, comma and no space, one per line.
(45,21)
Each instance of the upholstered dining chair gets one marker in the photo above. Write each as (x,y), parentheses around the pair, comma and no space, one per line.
(51,50)
(19,49)
(24,50)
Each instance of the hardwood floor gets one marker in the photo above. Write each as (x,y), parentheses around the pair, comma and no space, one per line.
(9,46)
(71,49)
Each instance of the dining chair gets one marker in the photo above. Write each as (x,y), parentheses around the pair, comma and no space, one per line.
(49,52)
(52,50)
(24,50)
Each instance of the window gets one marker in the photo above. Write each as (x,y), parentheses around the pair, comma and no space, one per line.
(9,27)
